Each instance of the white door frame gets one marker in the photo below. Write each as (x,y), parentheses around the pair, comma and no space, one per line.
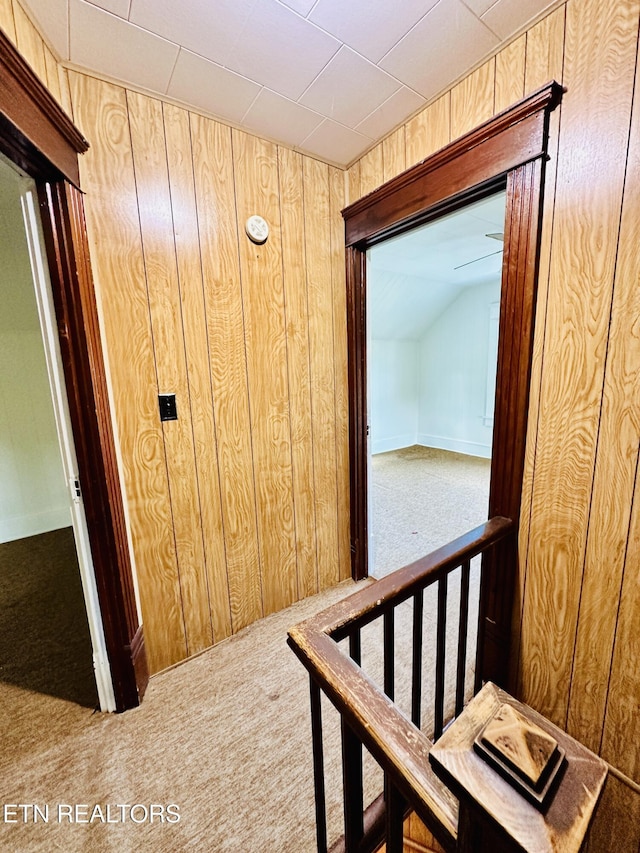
(46,312)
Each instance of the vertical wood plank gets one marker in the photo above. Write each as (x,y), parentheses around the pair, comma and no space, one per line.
(295,292)
(545,51)
(428,131)
(472,99)
(53,79)
(613,485)
(544,62)
(354,183)
(621,739)
(114,236)
(215,201)
(599,65)
(29,42)
(256,173)
(156,226)
(65,94)
(320,298)
(338,276)
(510,64)
(194,321)
(6,19)
(371,170)
(393,154)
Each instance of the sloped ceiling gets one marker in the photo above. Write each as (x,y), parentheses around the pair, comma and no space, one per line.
(412,278)
(328,77)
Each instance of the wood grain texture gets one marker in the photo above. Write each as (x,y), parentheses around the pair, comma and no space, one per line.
(472,99)
(65,93)
(545,51)
(256,173)
(544,62)
(7,22)
(321,335)
(194,322)
(510,64)
(163,293)
(562,825)
(394,158)
(371,170)
(300,404)
(429,131)
(29,42)
(53,78)
(621,737)
(114,236)
(599,63)
(340,356)
(613,495)
(353,183)
(215,198)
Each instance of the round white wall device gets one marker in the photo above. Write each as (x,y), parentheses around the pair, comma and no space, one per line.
(257,229)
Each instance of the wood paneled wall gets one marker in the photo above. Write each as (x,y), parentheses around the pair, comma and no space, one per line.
(25,36)
(577,619)
(239,507)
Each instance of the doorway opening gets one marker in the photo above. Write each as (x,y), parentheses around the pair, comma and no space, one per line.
(433,296)
(50,627)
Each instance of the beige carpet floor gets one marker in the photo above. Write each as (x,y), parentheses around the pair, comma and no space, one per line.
(423,498)
(224,737)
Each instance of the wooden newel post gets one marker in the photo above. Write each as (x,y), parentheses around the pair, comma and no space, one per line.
(522,783)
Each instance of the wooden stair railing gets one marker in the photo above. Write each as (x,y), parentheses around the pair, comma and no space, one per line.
(369,716)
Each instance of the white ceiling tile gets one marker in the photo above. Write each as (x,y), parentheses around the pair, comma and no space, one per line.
(368,88)
(211,88)
(371,27)
(447,42)
(479,7)
(201,26)
(111,46)
(508,16)
(393,112)
(302,7)
(278,118)
(281,50)
(335,143)
(53,19)
(117,7)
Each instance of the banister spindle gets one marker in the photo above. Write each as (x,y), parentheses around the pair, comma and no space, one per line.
(355,646)
(352,788)
(416,666)
(462,635)
(389,653)
(441,636)
(395,817)
(318,766)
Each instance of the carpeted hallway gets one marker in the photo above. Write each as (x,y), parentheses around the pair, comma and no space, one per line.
(423,498)
(224,740)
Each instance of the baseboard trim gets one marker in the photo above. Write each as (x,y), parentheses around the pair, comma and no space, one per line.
(622,778)
(456,445)
(23,526)
(139,660)
(396,442)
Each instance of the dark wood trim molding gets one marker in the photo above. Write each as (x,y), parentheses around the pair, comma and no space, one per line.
(509,152)
(513,137)
(38,136)
(62,215)
(35,124)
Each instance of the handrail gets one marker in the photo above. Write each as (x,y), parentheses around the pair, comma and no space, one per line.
(399,747)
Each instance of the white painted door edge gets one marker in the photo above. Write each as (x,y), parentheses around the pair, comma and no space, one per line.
(104,681)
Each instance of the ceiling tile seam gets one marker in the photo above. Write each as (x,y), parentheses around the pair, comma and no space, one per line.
(173,71)
(410,30)
(379,107)
(68,57)
(480,17)
(250,107)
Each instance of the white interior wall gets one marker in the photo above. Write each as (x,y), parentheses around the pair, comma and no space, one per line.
(433,391)
(454,375)
(33,492)
(393,394)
